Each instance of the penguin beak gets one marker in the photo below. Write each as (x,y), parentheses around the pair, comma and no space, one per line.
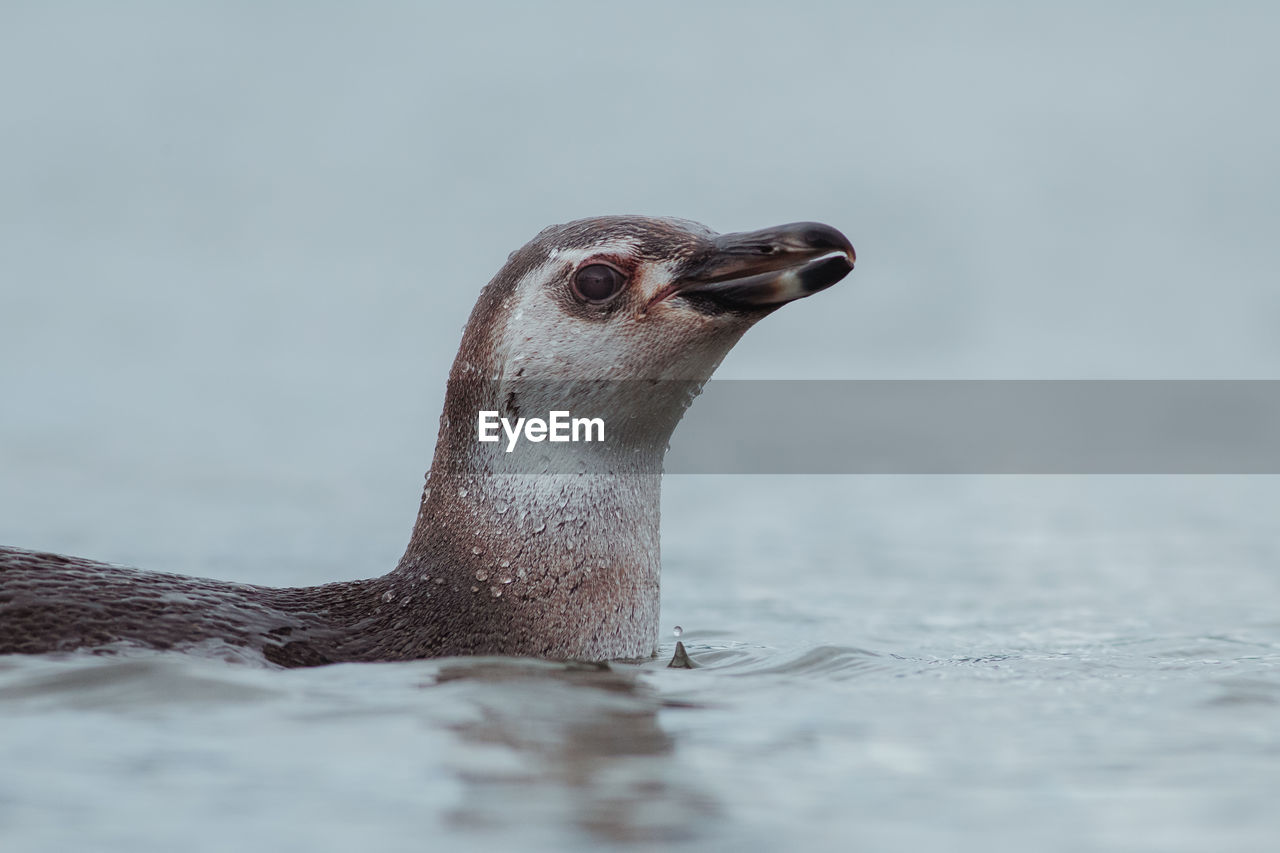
(765,269)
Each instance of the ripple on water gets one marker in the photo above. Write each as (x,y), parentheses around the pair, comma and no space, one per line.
(136,679)
(827,661)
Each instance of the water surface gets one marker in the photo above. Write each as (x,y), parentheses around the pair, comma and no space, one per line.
(1005,663)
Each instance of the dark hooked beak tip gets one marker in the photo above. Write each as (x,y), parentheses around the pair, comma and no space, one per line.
(766,268)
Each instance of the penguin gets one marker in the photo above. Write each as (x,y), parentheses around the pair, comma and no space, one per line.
(549,549)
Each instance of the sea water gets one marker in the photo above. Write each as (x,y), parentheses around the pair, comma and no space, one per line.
(888,663)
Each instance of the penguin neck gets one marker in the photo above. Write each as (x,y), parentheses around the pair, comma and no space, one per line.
(563,564)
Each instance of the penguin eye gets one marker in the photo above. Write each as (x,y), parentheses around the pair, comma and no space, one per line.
(597,283)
